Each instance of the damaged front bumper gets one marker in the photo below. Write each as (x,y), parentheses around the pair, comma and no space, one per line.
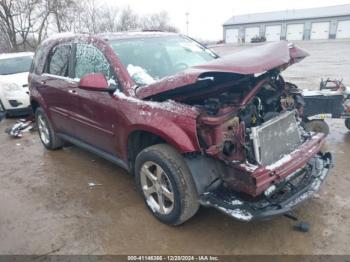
(293,190)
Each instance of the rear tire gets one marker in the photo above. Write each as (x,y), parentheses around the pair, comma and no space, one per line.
(318,126)
(46,132)
(347,123)
(166,184)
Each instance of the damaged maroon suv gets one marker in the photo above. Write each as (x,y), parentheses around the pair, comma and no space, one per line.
(193,128)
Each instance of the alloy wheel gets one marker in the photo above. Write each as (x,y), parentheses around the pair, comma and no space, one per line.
(43,130)
(157,188)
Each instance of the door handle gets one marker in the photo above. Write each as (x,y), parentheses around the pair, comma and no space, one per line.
(72,91)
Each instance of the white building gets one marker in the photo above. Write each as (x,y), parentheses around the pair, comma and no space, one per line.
(332,22)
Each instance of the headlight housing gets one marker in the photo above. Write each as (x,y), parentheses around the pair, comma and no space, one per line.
(10,87)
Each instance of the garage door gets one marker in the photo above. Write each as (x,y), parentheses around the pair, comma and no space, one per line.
(251,32)
(319,31)
(295,32)
(231,36)
(343,30)
(273,33)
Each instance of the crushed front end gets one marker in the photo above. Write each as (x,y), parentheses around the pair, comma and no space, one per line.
(255,158)
(268,162)
(279,199)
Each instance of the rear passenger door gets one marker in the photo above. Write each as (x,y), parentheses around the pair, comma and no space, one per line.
(58,89)
(97,110)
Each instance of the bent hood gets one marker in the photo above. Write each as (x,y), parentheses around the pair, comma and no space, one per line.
(255,60)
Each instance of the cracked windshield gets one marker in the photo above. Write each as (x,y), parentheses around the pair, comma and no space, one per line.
(152,58)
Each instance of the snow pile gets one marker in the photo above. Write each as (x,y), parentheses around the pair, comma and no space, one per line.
(249,167)
(237,213)
(279,163)
(168,105)
(140,75)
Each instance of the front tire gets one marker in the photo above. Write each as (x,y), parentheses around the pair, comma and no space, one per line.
(166,184)
(46,132)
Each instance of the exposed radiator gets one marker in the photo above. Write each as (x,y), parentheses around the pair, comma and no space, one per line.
(276,138)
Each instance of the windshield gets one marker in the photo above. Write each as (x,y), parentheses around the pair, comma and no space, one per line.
(15,65)
(152,58)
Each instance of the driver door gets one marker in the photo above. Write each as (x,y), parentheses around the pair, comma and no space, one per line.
(97,112)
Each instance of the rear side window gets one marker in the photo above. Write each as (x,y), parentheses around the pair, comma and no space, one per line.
(89,59)
(59,61)
(37,61)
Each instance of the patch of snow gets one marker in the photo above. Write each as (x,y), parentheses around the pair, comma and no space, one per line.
(136,33)
(249,167)
(237,213)
(59,36)
(145,113)
(307,92)
(92,184)
(279,163)
(68,79)
(168,105)
(152,204)
(270,190)
(140,75)
(112,82)
(236,202)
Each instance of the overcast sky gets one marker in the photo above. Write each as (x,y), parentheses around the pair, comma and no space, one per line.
(207,16)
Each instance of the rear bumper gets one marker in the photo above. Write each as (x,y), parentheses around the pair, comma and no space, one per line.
(296,188)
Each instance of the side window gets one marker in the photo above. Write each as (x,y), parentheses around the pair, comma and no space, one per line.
(90,60)
(38,56)
(59,60)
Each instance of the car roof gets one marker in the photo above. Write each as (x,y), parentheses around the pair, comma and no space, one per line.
(136,34)
(109,36)
(13,55)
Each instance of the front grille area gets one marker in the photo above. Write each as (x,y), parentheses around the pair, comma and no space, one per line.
(276,138)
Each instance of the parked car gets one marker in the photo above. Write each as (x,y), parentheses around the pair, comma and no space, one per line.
(194,129)
(258,39)
(14,93)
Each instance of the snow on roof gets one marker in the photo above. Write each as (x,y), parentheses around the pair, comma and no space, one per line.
(59,36)
(13,55)
(328,11)
(108,36)
(131,34)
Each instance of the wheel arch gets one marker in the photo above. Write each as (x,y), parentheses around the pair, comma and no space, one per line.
(204,169)
(144,136)
(34,104)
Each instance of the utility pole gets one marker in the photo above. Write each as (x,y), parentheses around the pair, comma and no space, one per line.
(187,22)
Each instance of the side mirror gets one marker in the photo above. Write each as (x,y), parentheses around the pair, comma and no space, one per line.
(95,82)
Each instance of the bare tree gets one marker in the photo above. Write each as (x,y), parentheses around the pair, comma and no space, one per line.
(63,12)
(17,21)
(109,16)
(4,43)
(25,23)
(129,20)
(157,21)
(7,22)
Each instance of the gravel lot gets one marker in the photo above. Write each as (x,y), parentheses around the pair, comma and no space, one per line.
(47,206)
